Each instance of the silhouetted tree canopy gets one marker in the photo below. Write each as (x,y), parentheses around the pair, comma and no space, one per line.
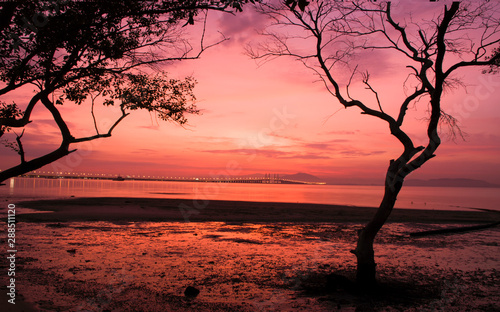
(73,51)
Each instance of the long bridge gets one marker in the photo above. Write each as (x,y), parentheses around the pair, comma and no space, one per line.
(267,179)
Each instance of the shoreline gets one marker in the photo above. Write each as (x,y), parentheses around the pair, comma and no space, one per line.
(123,209)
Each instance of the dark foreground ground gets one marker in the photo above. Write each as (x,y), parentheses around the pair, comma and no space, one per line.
(154,209)
(120,254)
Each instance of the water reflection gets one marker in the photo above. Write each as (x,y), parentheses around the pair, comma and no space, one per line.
(369,196)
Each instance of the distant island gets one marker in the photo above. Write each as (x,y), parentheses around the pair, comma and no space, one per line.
(458,182)
(443,182)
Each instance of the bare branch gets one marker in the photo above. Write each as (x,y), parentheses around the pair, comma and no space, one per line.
(104,135)
(402,32)
(63,127)
(20,147)
(92,99)
(452,123)
(366,77)
(425,44)
(349,83)
(407,101)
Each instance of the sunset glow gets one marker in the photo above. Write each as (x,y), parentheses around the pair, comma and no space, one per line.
(250,155)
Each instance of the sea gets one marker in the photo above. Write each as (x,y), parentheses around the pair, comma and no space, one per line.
(410,197)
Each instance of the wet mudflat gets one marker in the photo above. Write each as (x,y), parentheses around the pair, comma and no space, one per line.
(278,266)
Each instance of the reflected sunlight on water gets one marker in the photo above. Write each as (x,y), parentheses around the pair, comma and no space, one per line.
(441,198)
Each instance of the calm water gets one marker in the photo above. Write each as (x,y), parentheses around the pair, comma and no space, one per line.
(442,198)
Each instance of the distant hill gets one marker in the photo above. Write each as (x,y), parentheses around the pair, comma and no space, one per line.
(450,183)
(305,177)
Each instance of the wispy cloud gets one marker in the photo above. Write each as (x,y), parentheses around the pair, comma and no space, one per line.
(242,27)
(249,151)
(146,151)
(359,153)
(151,127)
(342,132)
(326,145)
(270,153)
(305,156)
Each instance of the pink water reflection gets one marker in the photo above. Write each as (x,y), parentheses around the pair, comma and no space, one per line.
(369,196)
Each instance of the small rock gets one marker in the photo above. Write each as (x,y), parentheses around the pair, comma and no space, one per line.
(191,292)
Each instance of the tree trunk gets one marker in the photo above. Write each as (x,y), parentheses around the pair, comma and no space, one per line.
(366,266)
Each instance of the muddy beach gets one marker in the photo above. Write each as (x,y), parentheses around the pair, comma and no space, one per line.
(101,255)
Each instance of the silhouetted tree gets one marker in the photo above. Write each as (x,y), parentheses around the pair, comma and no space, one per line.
(326,34)
(71,51)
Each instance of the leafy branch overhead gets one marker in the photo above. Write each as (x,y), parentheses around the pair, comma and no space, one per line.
(170,98)
(292,4)
(89,52)
(10,111)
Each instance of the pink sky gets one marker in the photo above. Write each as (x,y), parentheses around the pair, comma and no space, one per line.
(276,118)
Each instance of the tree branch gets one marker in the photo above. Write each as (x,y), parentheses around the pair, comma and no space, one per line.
(104,135)
(20,147)
(63,127)
(407,101)
(454,67)
(19,123)
(366,76)
(36,163)
(403,34)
